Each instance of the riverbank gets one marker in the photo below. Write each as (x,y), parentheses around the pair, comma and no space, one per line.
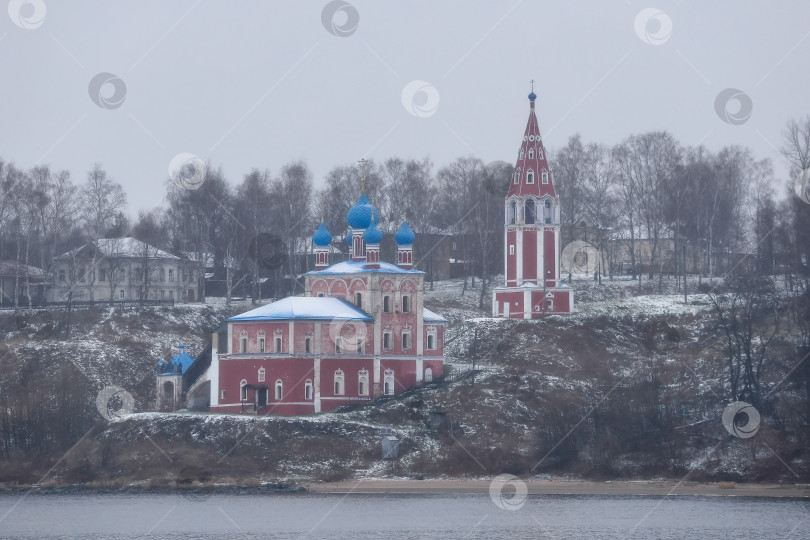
(566,487)
(436,487)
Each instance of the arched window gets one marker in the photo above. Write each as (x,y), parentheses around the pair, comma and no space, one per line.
(261,344)
(308,389)
(243,390)
(308,345)
(431,341)
(388,385)
(540,152)
(530,211)
(262,374)
(243,342)
(362,382)
(340,389)
(358,299)
(278,344)
(517,176)
(544,176)
(548,211)
(428,374)
(530,177)
(406,304)
(512,212)
(279,389)
(531,153)
(387,304)
(520,156)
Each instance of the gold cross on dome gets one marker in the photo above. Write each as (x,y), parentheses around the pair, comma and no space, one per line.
(362,163)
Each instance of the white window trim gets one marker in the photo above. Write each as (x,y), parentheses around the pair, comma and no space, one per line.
(340,382)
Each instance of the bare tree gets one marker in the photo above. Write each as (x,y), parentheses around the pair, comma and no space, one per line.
(748,320)
(646,164)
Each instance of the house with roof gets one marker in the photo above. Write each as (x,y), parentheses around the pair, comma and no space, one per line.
(124,269)
(20,284)
(360,331)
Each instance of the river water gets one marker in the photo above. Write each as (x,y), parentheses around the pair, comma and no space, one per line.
(113,516)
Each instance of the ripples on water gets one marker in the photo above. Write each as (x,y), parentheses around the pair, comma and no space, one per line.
(395,517)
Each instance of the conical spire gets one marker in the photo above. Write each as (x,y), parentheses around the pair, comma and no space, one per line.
(532,174)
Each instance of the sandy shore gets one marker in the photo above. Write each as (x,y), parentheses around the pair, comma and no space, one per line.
(563,487)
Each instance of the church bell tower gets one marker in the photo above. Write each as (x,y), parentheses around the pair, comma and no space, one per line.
(532,285)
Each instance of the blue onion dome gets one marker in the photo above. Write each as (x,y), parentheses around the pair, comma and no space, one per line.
(373,235)
(322,238)
(532,96)
(405,235)
(349,237)
(359,215)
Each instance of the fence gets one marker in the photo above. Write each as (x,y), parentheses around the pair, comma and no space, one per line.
(87,304)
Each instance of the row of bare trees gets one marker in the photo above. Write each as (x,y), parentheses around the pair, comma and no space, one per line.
(719,207)
(715,208)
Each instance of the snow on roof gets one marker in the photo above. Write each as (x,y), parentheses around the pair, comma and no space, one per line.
(14,268)
(356,267)
(430,316)
(305,307)
(122,247)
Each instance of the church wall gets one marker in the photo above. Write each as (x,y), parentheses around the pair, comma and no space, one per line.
(529,255)
(439,350)
(404,373)
(511,259)
(550,257)
(515,300)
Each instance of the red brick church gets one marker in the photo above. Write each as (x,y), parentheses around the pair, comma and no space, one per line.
(360,331)
(532,237)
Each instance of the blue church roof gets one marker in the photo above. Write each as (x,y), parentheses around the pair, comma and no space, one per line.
(373,235)
(405,235)
(359,215)
(179,364)
(322,237)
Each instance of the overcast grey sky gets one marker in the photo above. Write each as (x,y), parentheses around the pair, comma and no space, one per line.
(257,84)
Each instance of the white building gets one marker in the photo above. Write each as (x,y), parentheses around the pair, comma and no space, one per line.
(123,269)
